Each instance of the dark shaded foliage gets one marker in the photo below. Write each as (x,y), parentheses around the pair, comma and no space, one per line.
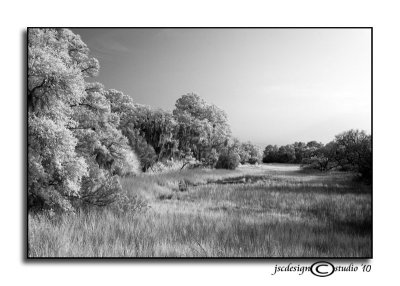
(350,151)
(228,160)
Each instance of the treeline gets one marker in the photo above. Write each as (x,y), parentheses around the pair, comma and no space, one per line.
(349,151)
(82,137)
(195,133)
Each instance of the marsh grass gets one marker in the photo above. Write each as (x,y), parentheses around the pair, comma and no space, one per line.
(271,210)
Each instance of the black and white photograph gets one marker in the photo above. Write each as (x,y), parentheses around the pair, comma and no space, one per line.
(199,143)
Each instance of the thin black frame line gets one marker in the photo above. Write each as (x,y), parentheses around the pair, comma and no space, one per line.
(230,258)
(200,27)
(372,142)
(199,258)
(27,160)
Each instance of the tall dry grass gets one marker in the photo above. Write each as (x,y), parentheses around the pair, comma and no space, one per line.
(268,211)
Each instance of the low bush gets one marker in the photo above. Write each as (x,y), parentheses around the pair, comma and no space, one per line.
(229,161)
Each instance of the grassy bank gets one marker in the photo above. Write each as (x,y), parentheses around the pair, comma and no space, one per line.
(254,211)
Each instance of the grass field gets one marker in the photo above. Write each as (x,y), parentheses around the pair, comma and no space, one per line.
(270,210)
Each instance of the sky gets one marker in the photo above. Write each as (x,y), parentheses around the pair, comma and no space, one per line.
(277,86)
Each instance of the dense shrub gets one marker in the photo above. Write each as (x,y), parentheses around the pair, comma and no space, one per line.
(211,159)
(353,150)
(254,160)
(316,162)
(228,160)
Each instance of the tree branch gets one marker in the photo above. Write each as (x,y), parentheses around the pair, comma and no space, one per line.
(76,128)
(83,104)
(30,92)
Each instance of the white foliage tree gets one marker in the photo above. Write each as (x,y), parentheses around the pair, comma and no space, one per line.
(74,146)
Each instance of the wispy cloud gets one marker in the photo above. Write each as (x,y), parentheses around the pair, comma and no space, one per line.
(106,46)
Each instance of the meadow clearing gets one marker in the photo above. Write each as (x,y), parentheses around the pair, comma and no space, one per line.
(267,210)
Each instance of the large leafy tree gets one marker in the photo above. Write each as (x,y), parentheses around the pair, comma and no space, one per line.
(58,63)
(74,147)
(202,128)
(352,150)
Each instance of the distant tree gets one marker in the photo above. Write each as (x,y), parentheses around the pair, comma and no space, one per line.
(237,147)
(312,148)
(352,150)
(250,153)
(270,154)
(291,153)
(201,127)
(299,151)
(318,159)
(286,154)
